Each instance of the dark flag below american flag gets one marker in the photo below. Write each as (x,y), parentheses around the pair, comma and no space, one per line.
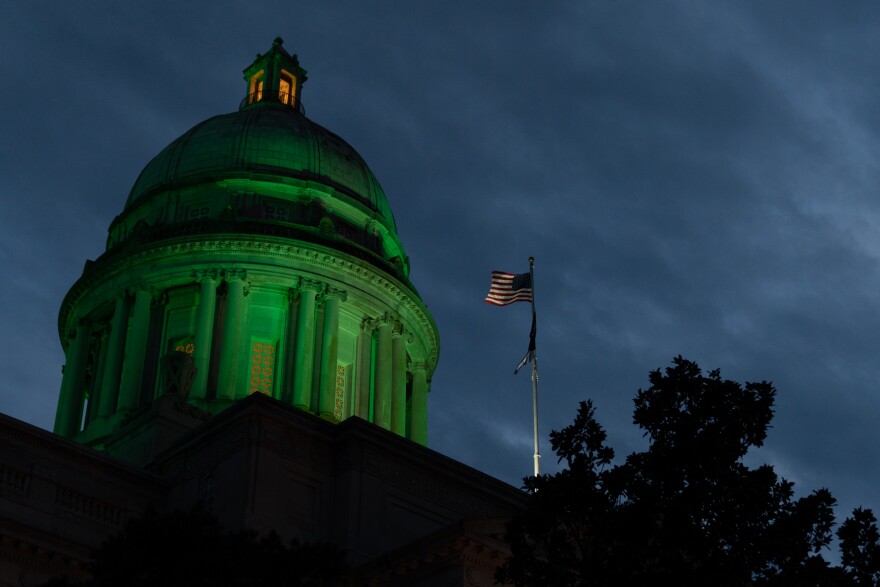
(508,288)
(530,354)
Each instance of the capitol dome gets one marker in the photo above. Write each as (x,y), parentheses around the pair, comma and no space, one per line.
(256,253)
(265,169)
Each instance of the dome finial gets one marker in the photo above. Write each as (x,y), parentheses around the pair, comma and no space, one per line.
(277,42)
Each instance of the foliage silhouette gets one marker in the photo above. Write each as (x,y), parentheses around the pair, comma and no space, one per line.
(860,553)
(191,549)
(687,510)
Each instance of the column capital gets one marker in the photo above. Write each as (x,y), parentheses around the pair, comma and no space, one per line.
(99,329)
(137,288)
(155,294)
(416,366)
(83,324)
(206,275)
(389,319)
(120,297)
(368,325)
(333,293)
(310,284)
(232,275)
(371,324)
(236,274)
(298,291)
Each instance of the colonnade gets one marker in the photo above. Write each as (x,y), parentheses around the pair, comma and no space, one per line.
(117,375)
(387,387)
(388,358)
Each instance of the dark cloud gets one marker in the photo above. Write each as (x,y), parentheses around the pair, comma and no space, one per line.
(692,178)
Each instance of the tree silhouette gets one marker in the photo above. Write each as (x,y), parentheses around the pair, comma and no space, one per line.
(687,510)
(860,548)
(191,549)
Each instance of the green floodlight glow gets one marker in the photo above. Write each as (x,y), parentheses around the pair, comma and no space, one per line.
(257,253)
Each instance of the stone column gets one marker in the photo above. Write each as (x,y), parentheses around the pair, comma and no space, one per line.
(98,343)
(329,351)
(289,360)
(362,370)
(419,404)
(135,351)
(69,414)
(383,375)
(398,381)
(231,342)
(109,394)
(204,333)
(304,352)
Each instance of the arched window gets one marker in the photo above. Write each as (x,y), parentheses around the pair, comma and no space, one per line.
(177,367)
(286,88)
(255,93)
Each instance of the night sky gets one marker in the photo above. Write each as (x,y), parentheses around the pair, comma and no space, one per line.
(694,178)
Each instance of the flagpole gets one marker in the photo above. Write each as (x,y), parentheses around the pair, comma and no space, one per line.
(535,374)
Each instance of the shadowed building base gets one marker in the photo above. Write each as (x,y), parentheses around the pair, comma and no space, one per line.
(402,513)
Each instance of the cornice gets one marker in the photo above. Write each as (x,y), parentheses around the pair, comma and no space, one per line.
(68,453)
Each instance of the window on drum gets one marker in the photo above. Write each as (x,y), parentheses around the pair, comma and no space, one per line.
(339,404)
(262,368)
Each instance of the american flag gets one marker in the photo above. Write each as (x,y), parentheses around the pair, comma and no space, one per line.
(507,288)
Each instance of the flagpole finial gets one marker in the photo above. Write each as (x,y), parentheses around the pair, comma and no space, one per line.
(531,261)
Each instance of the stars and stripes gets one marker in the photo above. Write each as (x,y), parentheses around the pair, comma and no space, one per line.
(508,288)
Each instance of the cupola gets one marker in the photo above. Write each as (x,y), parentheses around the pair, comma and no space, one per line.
(275,76)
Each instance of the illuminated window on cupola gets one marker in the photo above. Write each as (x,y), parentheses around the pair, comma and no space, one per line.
(256,86)
(286,88)
(262,368)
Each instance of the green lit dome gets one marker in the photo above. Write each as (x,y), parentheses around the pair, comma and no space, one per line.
(256,253)
(263,170)
(269,140)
